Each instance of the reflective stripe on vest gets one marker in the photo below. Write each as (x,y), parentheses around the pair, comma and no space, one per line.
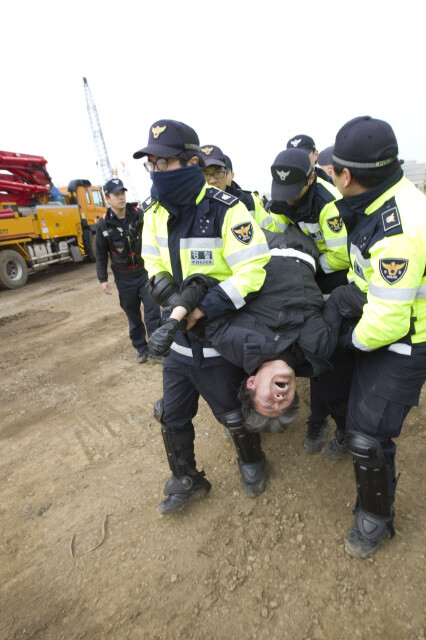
(293,253)
(186,351)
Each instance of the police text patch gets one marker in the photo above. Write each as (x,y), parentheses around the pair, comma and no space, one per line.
(393,269)
(243,232)
(335,224)
(391,218)
(201,256)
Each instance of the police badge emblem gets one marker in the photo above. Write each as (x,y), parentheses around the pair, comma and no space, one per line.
(243,232)
(156,131)
(393,269)
(335,224)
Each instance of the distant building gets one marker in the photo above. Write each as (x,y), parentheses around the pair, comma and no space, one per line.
(416,172)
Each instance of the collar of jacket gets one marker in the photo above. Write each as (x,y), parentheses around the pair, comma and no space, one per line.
(361,202)
(112,217)
(353,208)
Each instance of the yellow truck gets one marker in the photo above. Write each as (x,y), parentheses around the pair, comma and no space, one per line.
(41,225)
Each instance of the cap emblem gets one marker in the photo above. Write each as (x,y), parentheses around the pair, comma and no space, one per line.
(116,181)
(296,141)
(156,131)
(283,174)
(207,150)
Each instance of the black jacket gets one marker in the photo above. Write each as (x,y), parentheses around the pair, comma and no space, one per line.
(121,240)
(285,321)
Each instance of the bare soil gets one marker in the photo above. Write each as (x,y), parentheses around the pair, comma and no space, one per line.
(85,555)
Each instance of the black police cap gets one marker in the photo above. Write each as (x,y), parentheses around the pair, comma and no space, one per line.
(213,155)
(113,186)
(325,156)
(365,143)
(301,141)
(228,163)
(290,171)
(168,138)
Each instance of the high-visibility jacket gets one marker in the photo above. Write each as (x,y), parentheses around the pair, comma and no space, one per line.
(217,237)
(255,206)
(321,221)
(388,257)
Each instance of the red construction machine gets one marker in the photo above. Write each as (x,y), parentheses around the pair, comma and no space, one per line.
(41,225)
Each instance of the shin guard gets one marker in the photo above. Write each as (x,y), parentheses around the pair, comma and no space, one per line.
(376,483)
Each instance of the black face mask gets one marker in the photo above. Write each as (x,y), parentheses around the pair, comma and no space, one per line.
(179,187)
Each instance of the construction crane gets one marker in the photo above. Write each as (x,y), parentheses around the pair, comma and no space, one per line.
(95,125)
(133,193)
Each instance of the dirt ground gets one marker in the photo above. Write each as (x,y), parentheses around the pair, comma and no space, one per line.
(85,554)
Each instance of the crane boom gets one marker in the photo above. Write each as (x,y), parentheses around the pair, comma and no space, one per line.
(95,125)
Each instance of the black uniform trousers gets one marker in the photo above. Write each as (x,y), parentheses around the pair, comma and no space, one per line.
(320,387)
(385,386)
(330,391)
(133,291)
(182,387)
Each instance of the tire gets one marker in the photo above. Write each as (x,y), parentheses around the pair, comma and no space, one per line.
(13,270)
(92,248)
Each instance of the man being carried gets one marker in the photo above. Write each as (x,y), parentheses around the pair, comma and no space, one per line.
(276,336)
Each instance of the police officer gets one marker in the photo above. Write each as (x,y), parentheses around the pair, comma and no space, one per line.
(385,216)
(119,237)
(193,228)
(325,160)
(303,198)
(217,174)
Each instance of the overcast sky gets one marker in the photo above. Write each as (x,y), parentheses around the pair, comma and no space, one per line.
(246,76)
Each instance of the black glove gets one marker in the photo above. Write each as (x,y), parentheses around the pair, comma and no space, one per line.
(160,341)
(345,342)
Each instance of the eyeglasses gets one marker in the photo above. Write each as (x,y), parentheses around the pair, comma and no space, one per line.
(218,174)
(161,164)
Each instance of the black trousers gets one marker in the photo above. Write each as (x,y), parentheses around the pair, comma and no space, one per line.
(339,379)
(330,391)
(384,387)
(133,291)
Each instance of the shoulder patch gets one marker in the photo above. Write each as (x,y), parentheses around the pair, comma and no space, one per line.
(335,224)
(226,198)
(146,204)
(243,232)
(393,269)
(391,218)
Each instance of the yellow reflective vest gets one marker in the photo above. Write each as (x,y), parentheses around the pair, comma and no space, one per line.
(388,258)
(264,218)
(218,238)
(324,225)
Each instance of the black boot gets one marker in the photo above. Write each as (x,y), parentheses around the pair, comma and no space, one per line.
(180,491)
(315,436)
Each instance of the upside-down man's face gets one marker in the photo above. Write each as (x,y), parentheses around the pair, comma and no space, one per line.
(274,385)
